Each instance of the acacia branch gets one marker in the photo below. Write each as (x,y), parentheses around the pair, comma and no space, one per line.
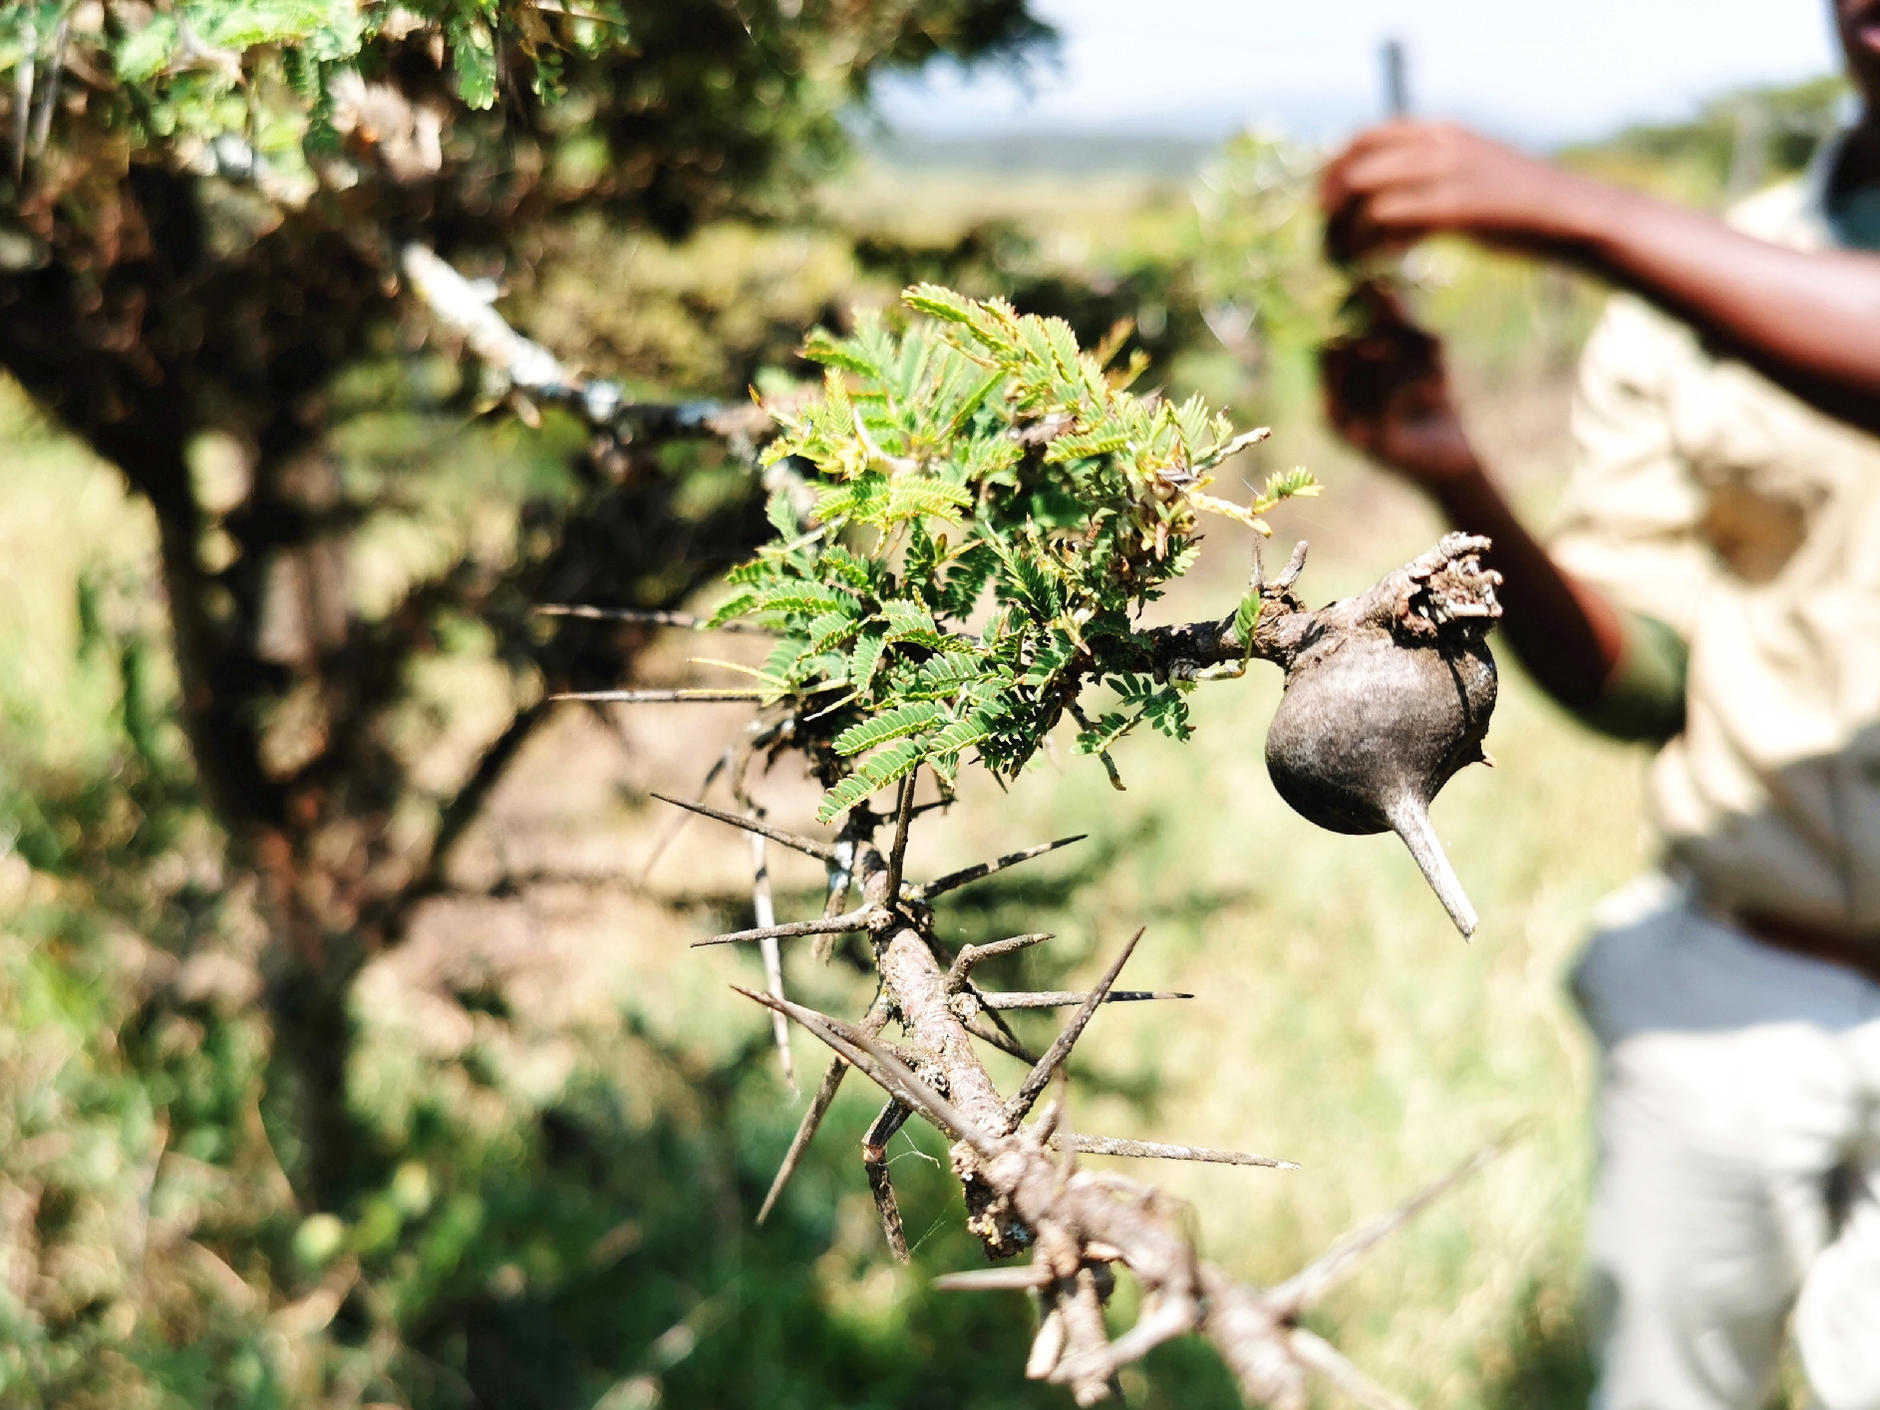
(1442,585)
(880,1064)
(903,816)
(465,309)
(891,1119)
(1024,1193)
(1023,1187)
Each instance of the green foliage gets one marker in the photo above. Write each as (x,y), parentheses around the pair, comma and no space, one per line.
(992,508)
(1736,142)
(1246,618)
(665,111)
(265,70)
(1259,272)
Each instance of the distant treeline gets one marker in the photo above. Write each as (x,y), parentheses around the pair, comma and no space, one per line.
(1044,152)
(1735,141)
(1738,140)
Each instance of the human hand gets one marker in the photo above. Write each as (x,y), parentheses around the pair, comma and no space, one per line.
(1386,394)
(1398,182)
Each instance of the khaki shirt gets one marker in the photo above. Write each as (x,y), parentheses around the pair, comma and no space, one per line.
(1707,497)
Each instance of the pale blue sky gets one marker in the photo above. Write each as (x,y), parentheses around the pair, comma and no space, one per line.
(1540,73)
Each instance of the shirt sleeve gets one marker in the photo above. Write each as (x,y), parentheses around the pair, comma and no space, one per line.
(1631,524)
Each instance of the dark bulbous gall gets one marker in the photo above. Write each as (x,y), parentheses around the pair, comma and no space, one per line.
(1373,723)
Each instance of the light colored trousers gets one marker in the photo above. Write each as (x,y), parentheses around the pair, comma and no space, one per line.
(1739,1131)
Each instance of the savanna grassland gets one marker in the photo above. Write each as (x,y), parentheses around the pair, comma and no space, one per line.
(577,1118)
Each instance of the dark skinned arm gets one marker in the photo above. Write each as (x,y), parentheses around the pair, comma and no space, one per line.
(1808,320)
(1570,638)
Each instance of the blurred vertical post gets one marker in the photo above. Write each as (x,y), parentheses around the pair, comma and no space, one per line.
(1396,79)
(1750,124)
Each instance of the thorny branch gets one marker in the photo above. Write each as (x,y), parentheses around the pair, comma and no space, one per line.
(1024,1189)
(1443,584)
(465,308)
(1066,998)
(645,616)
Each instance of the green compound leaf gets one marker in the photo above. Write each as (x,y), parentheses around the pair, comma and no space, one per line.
(799,596)
(942,303)
(1104,731)
(823,347)
(1102,441)
(864,499)
(913,623)
(1246,619)
(907,719)
(733,607)
(891,765)
(145,51)
(1167,713)
(864,660)
(832,629)
(856,572)
(781,512)
(944,677)
(1034,586)
(1053,656)
(1285,484)
(473,55)
(963,734)
(911,498)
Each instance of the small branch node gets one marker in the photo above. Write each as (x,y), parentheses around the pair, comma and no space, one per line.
(971,956)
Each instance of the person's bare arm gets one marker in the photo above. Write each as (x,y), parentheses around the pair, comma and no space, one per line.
(1569,637)
(1809,320)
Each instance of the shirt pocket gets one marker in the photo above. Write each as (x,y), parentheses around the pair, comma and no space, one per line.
(1768,467)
